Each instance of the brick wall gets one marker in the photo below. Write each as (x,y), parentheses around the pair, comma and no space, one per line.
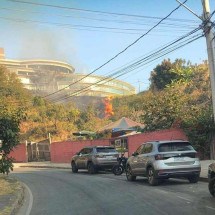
(170,134)
(61,152)
(19,153)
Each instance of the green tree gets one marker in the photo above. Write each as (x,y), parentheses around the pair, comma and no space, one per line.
(13,99)
(168,72)
(199,128)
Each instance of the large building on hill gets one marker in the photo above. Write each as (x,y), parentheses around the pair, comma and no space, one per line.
(47,76)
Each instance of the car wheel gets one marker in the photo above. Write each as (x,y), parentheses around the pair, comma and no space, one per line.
(151,177)
(193,179)
(129,175)
(74,167)
(91,168)
(211,186)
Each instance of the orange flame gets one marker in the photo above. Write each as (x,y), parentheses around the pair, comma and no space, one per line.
(108,107)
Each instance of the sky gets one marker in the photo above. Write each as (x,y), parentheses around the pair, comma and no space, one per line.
(72,33)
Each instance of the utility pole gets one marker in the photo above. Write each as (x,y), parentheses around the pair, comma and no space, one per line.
(210,49)
(211,56)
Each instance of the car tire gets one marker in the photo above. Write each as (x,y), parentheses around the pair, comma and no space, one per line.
(74,167)
(91,168)
(193,179)
(129,175)
(211,186)
(151,177)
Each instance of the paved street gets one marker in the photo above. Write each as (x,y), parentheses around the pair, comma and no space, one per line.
(57,191)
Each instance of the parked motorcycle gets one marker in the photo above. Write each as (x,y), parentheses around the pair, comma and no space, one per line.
(119,168)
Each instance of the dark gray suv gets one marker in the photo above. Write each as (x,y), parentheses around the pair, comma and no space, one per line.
(94,158)
(162,160)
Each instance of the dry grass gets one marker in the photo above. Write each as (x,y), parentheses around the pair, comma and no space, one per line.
(8,186)
(6,211)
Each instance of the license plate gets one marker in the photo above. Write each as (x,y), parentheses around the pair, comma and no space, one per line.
(178,159)
(110,157)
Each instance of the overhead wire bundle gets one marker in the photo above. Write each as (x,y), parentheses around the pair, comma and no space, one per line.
(166,49)
(176,44)
(119,53)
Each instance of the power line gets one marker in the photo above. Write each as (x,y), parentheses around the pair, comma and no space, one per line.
(212,14)
(96,11)
(105,20)
(195,38)
(86,88)
(66,25)
(147,57)
(114,57)
(164,24)
(134,66)
(141,62)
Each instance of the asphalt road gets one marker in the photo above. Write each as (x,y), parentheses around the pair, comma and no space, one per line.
(61,192)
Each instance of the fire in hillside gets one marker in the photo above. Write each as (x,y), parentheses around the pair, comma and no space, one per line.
(108,107)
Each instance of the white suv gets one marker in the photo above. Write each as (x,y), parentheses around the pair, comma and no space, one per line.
(162,160)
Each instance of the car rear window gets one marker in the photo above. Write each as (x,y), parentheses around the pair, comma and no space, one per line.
(175,146)
(105,149)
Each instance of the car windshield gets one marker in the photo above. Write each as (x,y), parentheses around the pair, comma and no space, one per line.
(105,149)
(175,146)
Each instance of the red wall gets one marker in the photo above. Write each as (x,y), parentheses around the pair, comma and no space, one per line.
(19,153)
(62,152)
(170,134)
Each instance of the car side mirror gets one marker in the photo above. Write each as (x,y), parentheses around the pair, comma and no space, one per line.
(134,154)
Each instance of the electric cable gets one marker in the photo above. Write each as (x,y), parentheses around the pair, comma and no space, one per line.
(93,11)
(164,47)
(166,24)
(114,57)
(130,67)
(81,27)
(84,90)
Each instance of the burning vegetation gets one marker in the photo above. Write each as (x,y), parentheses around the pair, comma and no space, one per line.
(108,107)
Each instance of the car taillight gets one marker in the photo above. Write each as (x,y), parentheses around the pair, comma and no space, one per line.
(159,157)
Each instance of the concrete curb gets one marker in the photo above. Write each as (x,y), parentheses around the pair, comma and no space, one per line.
(46,167)
(19,200)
